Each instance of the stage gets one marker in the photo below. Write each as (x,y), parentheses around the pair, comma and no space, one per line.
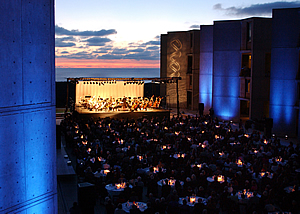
(122,114)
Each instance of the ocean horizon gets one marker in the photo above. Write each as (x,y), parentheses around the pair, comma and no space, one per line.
(61,74)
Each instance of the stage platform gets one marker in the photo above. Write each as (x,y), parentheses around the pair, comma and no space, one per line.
(125,114)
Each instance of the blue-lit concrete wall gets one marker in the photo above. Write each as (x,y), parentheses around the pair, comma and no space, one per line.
(284,68)
(27,107)
(226,69)
(206,67)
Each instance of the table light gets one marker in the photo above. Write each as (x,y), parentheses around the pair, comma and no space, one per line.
(106,171)
(192,199)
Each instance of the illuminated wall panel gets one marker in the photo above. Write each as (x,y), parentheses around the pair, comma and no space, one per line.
(226,69)
(284,99)
(227,108)
(27,108)
(177,48)
(206,67)
(11,49)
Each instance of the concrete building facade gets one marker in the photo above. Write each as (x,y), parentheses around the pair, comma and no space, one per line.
(285,71)
(241,62)
(27,108)
(180,58)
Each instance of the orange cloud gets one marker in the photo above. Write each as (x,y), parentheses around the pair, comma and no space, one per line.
(98,63)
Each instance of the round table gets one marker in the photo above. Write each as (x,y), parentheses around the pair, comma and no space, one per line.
(211,179)
(113,190)
(127,206)
(171,182)
(191,204)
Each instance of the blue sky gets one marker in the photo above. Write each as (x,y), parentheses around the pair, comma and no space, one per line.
(118,33)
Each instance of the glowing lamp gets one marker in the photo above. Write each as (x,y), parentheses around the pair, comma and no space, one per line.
(100,159)
(120,185)
(249,194)
(239,162)
(221,178)
(171,182)
(192,199)
(106,171)
(155,169)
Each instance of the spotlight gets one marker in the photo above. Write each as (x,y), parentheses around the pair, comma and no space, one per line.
(286,137)
(273,135)
(124,83)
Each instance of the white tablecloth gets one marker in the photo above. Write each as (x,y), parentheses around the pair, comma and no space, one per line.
(127,206)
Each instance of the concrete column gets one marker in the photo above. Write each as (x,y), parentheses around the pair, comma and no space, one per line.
(27,107)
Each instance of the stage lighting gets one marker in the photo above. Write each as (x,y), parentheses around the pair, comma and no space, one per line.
(124,83)
(286,137)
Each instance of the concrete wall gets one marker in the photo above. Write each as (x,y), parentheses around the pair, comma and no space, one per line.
(260,84)
(206,67)
(284,101)
(177,47)
(195,50)
(226,69)
(163,64)
(27,107)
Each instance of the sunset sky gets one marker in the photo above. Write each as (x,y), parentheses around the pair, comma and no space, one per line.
(126,34)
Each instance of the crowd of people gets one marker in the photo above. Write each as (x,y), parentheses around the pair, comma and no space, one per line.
(117,104)
(259,175)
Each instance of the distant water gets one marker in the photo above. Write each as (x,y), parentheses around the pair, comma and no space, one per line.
(63,73)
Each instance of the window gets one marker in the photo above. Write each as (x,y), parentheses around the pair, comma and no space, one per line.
(190,65)
(191,39)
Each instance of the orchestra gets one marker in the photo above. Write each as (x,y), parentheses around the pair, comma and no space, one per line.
(119,104)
